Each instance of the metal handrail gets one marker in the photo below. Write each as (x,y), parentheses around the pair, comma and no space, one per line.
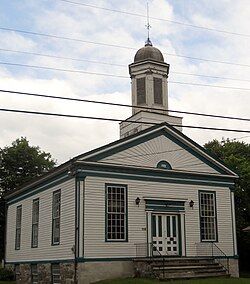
(154,249)
(225,256)
(150,249)
(210,249)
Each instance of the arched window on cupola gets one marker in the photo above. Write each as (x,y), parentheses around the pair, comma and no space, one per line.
(164,165)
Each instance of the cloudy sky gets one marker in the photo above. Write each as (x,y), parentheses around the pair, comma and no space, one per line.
(67,137)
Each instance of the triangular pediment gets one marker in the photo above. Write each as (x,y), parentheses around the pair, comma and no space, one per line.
(156,144)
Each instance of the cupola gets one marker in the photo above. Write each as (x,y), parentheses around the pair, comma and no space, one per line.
(149,84)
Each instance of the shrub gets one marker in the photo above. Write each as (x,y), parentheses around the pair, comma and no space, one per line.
(6,274)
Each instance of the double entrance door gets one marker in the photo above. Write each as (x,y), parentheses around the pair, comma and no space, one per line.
(165,234)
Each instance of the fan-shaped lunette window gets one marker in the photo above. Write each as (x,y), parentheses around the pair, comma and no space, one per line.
(164,165)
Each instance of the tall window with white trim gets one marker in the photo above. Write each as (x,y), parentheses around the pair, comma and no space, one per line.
(35,221)
(116,212)
(208,222)
(56,216)
(18,227)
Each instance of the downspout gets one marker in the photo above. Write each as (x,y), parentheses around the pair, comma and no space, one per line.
(76,249)
(75,264)
(5,232)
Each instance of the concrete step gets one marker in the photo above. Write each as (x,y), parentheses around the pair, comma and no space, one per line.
(188,268)
(191,274)
(182,262)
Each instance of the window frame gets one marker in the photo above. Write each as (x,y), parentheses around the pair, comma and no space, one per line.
(35,223)
(125,213)
(141,95)
(53,242)
(52,274)
(17,272)
(34,274)
(18,228)
(215,216)
(158,97)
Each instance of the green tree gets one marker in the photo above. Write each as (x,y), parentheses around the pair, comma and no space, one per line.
(19,163)
(236,155)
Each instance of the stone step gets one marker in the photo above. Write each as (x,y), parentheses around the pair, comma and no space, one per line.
(182,262)
(184,268)
(169,258)
(199,271)
(191,274)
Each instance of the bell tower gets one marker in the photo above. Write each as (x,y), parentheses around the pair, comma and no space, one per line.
(149,88)
(149,75)
(149,82)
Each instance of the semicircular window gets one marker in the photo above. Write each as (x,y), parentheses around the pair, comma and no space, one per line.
(164,165)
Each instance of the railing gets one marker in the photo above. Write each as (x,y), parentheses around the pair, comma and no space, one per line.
(149,250)
(210,249)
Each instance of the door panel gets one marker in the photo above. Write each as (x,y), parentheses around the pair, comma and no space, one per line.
(165,234)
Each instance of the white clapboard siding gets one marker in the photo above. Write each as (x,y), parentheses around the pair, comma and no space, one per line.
(150,152)
(45,250)
(94,218)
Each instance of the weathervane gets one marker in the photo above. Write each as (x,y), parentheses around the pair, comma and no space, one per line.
(148,42)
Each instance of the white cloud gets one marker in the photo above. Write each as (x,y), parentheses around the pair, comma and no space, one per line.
(65,137)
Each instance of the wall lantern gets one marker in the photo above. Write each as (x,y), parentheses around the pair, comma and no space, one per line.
(137,201)
(191,204)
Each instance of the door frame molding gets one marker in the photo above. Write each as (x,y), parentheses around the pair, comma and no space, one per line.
(181,229)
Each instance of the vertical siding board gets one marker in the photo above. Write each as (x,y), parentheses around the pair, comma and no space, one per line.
(44,249)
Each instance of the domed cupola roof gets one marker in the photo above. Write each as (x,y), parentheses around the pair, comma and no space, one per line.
(148,52)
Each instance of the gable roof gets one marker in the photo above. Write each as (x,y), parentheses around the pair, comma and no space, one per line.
(159,129)
(111,148)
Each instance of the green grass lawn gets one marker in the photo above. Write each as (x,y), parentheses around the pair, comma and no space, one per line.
(197,281)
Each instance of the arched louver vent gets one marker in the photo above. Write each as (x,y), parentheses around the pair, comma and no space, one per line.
(164,165)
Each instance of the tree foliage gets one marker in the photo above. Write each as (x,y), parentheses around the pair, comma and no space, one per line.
(236,155)
(19,163)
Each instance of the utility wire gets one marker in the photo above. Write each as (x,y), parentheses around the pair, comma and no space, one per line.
(155,18)
(129,165)
(122,105)
(237,138)
(114,64)
(61,57)
(142,155)
(63,70)
(115,76)
(119,120)
(116,46)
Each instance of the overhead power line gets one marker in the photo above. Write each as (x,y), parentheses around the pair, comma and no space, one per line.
(119,120)
(63,70)
(142,155)
(114,64)
(116,46)
(61,57)
(123,105)
(131,165)
(156,18)
(115,76)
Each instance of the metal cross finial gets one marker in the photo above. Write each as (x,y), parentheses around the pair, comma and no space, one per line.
(148,42)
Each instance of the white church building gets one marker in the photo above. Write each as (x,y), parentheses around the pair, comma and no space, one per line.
(151,200)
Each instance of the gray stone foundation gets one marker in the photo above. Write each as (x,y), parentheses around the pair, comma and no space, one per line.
(44,273)
(233,266)
(67,273)
(90,272)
